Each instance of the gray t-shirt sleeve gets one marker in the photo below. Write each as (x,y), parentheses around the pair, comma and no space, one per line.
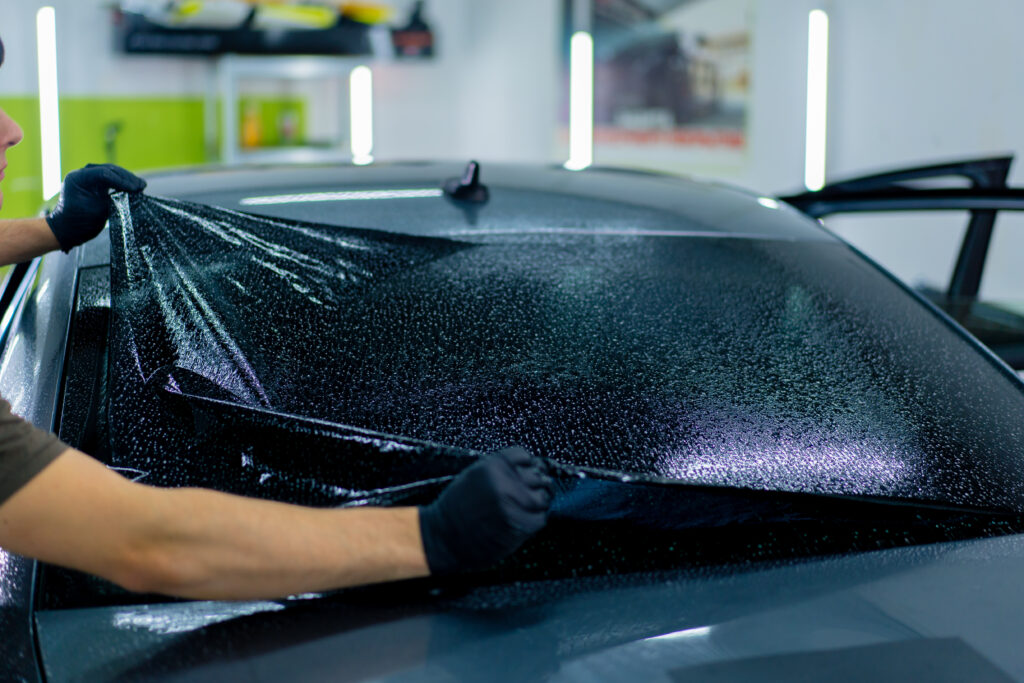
(24,451)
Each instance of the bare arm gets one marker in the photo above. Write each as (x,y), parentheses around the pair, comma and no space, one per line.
(80,214)
(203,544)
(22,239)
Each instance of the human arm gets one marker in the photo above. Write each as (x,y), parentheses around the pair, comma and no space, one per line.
(204,544)
(23,239)
(199,543)
(80,214)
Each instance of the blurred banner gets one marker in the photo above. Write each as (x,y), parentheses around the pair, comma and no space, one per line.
(671,81)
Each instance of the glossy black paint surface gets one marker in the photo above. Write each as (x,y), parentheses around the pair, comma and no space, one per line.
(622,628)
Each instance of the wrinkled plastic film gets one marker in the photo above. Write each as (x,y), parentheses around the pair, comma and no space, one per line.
(761,365)
(176,329)
(205,310)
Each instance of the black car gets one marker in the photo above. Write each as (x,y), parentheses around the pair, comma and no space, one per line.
(774,460)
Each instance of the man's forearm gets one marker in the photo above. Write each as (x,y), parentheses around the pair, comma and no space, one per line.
(22,239)
(203,544)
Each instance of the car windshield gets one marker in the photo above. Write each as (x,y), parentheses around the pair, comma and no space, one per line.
(715,382)
(736,361)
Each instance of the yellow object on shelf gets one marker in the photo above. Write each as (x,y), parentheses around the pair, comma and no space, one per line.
(269,14)
(363,12)
(366,12)
(189,8)
(223,14)
(294,16)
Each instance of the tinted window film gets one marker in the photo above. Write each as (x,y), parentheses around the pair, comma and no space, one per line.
(758,364)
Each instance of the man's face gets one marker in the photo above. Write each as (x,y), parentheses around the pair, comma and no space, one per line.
(10,135)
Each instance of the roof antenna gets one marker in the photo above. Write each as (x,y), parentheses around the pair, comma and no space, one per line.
(468,188)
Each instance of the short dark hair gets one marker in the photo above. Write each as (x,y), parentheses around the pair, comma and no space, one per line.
(1,52)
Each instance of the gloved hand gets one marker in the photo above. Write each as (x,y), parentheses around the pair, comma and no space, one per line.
(487,512)
(84,204)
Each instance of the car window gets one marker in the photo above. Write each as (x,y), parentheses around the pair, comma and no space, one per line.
(921,249)
(1003,283)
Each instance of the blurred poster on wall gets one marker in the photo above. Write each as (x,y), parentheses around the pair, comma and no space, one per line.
(671,82)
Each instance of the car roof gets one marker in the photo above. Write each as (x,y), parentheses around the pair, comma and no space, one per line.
(408,198)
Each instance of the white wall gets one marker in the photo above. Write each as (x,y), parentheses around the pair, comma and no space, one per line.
(512,97)
(925,78)
(920,81)
(492,93)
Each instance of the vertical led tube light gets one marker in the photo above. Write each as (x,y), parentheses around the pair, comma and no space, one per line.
(817,99)
(581,101)
(49,111)
(360,85)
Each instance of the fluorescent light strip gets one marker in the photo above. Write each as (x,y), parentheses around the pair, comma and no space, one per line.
(581,101)
(357,195)
(49,110)
(698,632)
(817,99)
(360,87)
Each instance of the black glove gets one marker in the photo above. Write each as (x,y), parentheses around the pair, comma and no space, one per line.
(490,509)
(84,204)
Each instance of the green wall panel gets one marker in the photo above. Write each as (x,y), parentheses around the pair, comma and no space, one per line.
(152,133)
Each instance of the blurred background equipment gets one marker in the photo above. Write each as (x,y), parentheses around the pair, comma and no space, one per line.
(247,27)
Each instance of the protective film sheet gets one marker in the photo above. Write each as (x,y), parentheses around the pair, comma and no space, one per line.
(346,364)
